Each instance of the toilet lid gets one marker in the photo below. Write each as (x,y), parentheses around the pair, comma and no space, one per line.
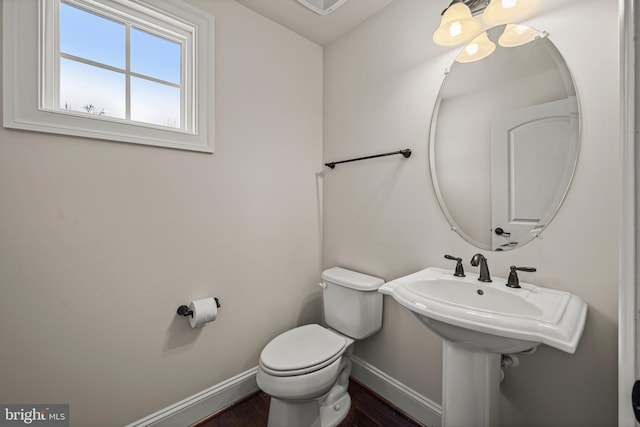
(302,348)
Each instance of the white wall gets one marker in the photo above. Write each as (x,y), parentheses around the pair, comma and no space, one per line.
(100,242)
(381,216)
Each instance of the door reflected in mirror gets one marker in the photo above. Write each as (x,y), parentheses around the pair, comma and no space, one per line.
(504,142)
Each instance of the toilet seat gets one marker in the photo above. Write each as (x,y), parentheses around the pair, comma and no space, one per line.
(302,350)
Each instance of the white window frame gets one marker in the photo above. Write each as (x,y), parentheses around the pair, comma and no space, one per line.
(30,72)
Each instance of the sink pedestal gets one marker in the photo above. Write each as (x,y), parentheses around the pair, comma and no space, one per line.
(470,387)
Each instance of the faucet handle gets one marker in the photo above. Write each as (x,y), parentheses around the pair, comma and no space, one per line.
(459,268)
(513,281)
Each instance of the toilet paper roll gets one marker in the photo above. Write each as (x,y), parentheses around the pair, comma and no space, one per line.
(204,310)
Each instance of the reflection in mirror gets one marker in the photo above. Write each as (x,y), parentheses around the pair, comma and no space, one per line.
(504,142)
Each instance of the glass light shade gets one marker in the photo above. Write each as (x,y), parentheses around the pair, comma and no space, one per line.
(504,11)
(517,35)
(477,49)
(457,26)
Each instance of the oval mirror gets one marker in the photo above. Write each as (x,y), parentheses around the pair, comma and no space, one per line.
(504,140)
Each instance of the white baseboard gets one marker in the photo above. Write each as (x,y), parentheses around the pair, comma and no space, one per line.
(410,402)
(201,405)
(209,401)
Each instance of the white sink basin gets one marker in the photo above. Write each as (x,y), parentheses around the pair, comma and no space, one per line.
(490,316)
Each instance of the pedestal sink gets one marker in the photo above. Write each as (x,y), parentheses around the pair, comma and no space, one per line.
(480,321)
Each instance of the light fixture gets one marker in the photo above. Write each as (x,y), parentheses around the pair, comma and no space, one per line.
(322,7)
(506,11)
(477,49)
(517,35)
(457,26)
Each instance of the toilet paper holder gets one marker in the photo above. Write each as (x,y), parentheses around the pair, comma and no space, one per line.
(183,310)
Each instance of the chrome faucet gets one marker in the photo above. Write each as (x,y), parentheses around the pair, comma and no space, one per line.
(479,259)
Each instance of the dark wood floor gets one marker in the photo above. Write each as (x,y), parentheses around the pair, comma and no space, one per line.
(367,410)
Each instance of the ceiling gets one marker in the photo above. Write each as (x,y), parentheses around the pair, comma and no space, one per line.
(319,29)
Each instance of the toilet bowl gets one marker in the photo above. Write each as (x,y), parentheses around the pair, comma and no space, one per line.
(306,370)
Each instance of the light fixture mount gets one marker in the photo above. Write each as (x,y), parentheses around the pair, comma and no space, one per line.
(476,6)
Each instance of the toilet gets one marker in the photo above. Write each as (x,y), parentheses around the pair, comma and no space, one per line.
(306,370)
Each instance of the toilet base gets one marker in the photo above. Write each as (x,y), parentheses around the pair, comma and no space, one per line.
(331,416)
(308,414)
(284,414)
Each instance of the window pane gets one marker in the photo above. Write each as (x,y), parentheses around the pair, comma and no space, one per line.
(155,103)
(155,56)
(92,37)
(91,89)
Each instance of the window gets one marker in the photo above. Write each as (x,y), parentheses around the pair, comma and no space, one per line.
(121,70)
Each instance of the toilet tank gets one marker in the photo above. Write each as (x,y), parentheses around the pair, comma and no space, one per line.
(351,302)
